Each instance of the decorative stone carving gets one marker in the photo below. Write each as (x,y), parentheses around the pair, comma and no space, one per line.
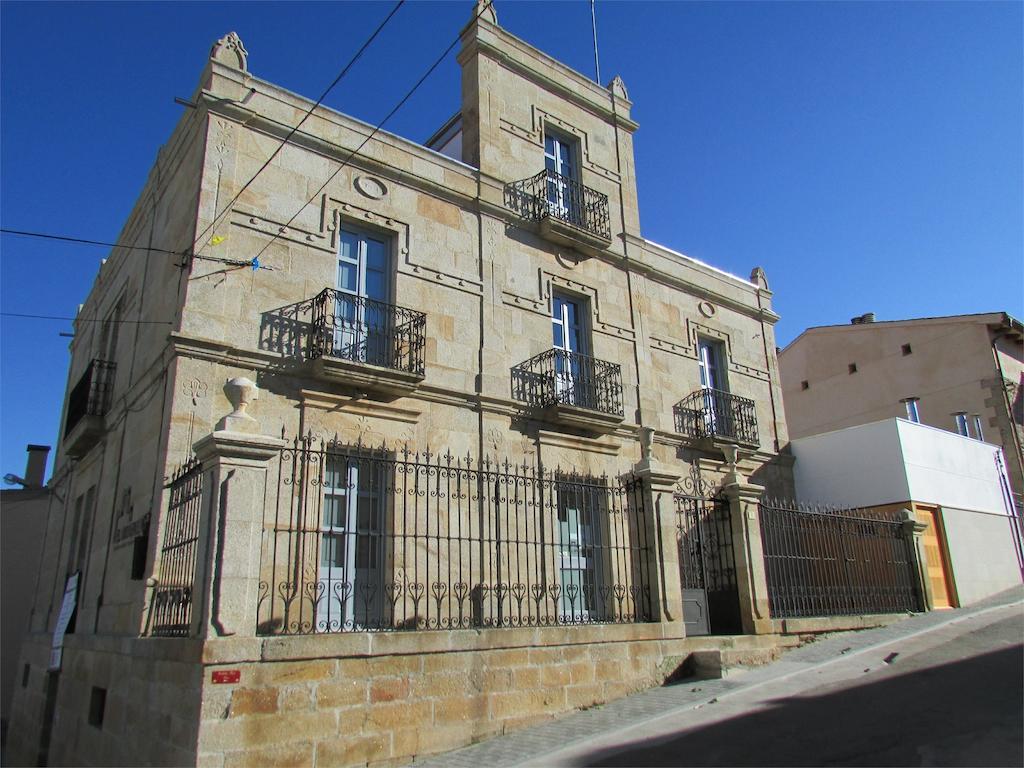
(618,88)
(371,187)
(230,51)
(706,308)
(484,11)
(241,393)
(758,278)
(195,388)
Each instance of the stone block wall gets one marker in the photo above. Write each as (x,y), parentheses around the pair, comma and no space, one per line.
(150,711)
(342,700)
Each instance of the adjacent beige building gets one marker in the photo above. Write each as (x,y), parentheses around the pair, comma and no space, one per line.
(963,373)
(387,386)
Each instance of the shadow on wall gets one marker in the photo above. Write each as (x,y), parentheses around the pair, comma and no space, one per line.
(286,329)
(966,712)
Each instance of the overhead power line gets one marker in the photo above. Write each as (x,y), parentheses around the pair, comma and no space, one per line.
(374,132)
(85,319)
(253,263)
(293,131)
(84,241)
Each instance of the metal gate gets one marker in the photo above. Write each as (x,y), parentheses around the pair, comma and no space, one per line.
(707,566)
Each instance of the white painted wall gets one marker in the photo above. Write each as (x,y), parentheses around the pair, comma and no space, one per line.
(950,470)
(893,461)
(857,466)
(981,553)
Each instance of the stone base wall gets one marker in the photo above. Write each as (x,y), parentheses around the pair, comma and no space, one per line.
(150,713)
(385,698)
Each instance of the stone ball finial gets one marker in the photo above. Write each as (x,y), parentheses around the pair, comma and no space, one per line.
(758,278)
(618,87)
(484,11)
(230,51)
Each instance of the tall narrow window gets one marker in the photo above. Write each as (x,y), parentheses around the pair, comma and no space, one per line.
(362,317)
(912,412)
(569,339)
(579,549)
(351,546)
(978,434)
(560,163)
(711,359)
(960,418)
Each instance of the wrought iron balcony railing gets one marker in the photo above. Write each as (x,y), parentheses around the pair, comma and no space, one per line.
(551,195)
(560,377)
(363,330)
(91,395)
(717,414)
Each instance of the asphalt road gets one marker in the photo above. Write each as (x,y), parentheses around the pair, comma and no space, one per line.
(954,696)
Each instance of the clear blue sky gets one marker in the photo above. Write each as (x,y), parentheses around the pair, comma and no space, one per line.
(867,155)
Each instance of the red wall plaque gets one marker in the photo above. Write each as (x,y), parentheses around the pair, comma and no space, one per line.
(227,675)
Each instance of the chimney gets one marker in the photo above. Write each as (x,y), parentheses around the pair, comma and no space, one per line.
(35,468)
(867,317)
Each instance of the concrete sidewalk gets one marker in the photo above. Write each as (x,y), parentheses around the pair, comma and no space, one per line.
(655,712)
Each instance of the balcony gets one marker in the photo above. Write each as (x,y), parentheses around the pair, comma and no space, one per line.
(366,344)
(565,211)
(715,416)
(87,405)
(571,389)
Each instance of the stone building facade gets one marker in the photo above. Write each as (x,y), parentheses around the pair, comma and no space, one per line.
(472,366)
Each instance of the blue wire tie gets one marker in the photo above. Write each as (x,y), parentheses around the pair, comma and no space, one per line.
(255,263)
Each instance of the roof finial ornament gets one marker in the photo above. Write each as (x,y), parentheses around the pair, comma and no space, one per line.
(618,87)
(230,51)
(759,278)
(485,10)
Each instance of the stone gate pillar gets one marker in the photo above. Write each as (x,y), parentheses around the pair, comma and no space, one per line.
(659,483)
(745,522)
(235,459)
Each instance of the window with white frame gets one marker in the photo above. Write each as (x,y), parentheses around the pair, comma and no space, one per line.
(912,412)
(978,434)
(560,161)
(960,419)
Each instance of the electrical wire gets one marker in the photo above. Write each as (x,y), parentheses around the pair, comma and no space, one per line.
(84,319)
(358,54)
(84,241)
(374,132)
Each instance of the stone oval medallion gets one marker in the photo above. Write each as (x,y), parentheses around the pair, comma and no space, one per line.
(706,308)
(372,188)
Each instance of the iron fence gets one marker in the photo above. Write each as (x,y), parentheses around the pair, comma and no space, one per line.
(549,194)
(91,395)
(824,561)
(716,413)
(707,565)
(171,611)
(559,376)
(363,330)
(359,539)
